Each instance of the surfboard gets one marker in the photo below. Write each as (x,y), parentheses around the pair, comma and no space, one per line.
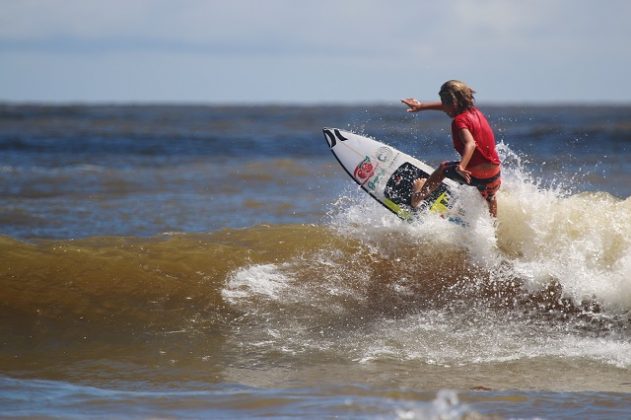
(387,174)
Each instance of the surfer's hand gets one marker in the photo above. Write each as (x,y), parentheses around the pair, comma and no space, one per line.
(413,104)
(464,173)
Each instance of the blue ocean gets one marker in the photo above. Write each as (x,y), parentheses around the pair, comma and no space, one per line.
(174,261)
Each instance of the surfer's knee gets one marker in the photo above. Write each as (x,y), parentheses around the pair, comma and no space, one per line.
(488,191)
(443,167)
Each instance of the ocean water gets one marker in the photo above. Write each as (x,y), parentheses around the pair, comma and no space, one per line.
(216,262)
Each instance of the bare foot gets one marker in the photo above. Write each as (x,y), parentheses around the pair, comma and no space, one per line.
(418,184)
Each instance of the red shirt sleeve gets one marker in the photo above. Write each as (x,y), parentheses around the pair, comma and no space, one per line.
(461,121)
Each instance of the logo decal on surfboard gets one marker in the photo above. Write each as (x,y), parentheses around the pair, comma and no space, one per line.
(384,154)
(364,170)
(333,136)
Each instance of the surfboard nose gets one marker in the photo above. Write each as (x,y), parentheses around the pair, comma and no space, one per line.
(329,137)
(332,136)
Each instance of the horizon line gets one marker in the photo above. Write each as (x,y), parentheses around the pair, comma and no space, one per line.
(374,103)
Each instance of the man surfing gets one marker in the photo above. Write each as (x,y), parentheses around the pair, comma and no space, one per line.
(473,139)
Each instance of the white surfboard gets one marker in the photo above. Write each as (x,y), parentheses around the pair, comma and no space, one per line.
(387,173)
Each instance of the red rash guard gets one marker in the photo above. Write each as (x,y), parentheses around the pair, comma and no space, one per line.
(474,121)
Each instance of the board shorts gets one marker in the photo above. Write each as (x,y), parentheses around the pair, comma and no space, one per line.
(486,186)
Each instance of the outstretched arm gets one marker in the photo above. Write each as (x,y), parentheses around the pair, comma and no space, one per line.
(415,105)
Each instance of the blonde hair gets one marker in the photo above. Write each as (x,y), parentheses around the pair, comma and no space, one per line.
(457,93)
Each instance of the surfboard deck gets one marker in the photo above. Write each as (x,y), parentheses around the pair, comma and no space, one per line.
(387,174)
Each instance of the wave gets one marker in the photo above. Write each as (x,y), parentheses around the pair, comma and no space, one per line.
(549,278)
(362,261)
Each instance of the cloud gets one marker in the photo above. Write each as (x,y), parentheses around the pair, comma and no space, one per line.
(245,26)
(286,26)
(327,49)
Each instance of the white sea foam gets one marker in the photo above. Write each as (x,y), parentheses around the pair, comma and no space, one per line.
(446,405)
(257,280)
(437,338)
(582,241)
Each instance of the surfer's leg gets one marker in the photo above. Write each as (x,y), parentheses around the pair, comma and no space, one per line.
(423,187)
(488,192)
(492,202)
(417,194)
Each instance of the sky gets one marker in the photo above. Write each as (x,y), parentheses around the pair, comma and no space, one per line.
(313,52)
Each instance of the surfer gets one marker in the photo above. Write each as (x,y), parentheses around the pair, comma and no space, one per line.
(473,139)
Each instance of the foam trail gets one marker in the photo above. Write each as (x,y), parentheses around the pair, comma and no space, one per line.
(546,235)
(582,241)
(263,280)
